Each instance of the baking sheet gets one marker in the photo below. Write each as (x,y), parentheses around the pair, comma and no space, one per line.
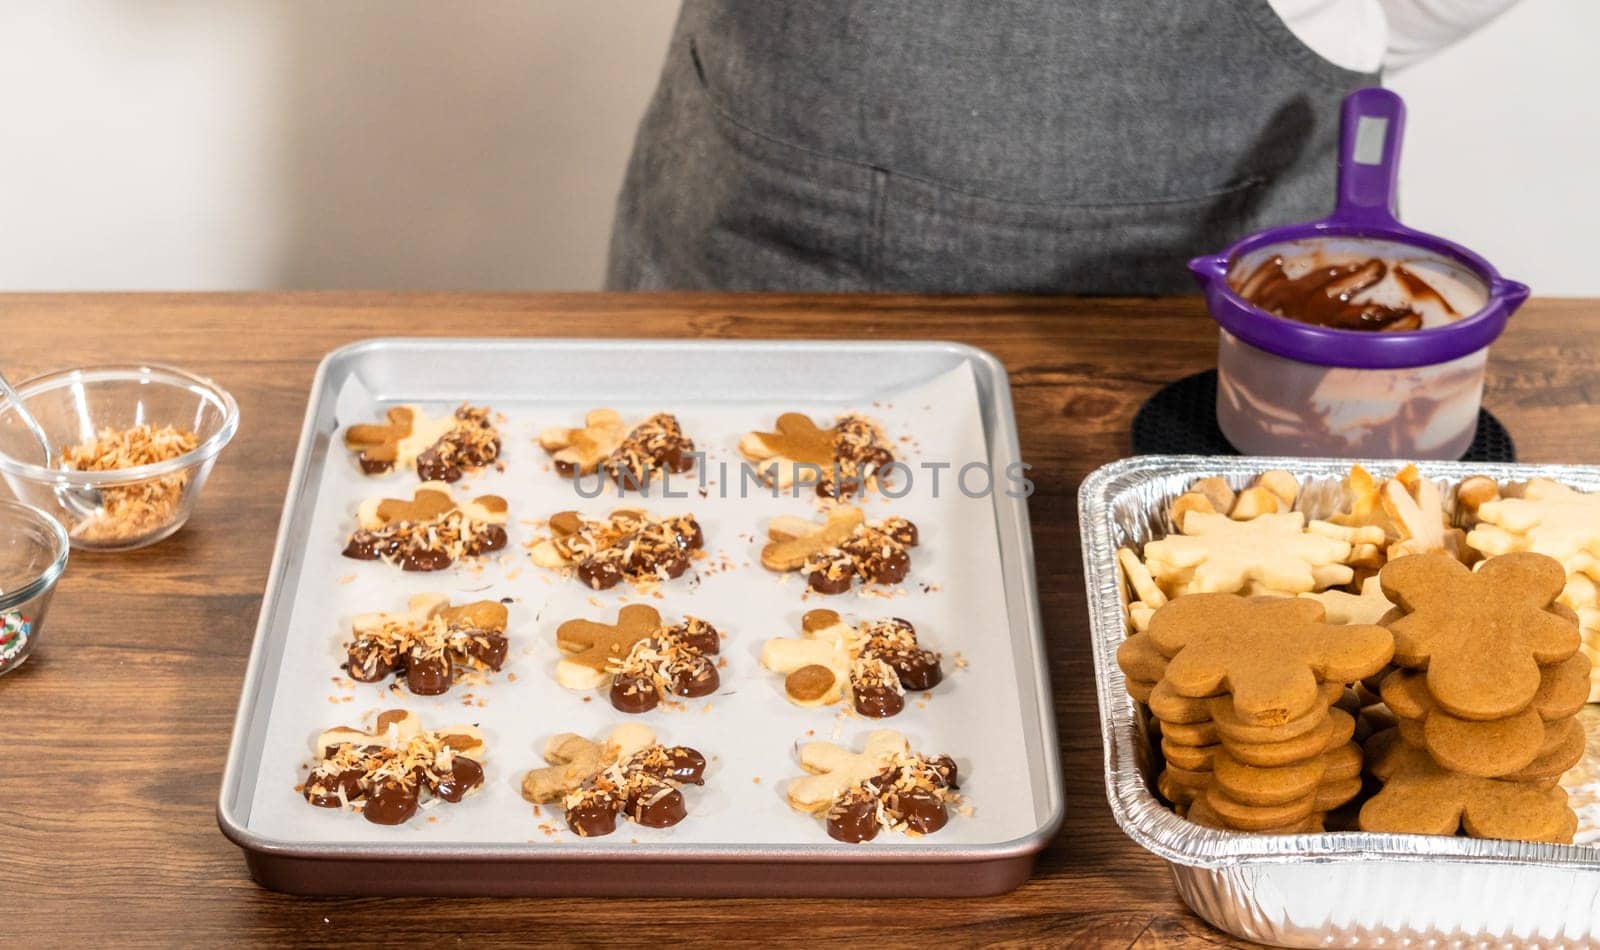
(748,728)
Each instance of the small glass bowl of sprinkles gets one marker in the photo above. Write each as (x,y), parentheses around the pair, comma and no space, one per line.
(33,553)
(131,445)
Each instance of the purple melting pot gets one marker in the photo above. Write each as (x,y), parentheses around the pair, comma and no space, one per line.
(1287,387)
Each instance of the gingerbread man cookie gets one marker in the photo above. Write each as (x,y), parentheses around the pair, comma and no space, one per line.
(641,659)
(388,769)
(626,545)
(840,461)
(1482,636)
(883,786)
(630,457)
(1270,654)
(580,451)
(876,662)
(430,531)
(441,449)
(429,644)
(574,760)
(628,776)
(843,547)
(1421,797)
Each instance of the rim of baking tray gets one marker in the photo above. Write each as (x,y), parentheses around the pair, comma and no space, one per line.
(1053,809)
(1135,807)
(46,578)
(156,373)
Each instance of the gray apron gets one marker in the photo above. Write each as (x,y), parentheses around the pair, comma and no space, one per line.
(1032,146)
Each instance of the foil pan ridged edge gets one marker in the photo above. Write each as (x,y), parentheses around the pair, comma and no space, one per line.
(1119,504)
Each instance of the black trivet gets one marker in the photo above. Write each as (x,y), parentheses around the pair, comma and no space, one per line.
(1181,419)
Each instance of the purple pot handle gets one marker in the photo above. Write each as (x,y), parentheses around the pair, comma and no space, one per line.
(1371,125)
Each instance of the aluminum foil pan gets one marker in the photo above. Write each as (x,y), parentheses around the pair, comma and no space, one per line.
(1340,889)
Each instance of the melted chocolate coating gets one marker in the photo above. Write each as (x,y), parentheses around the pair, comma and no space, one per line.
(918,671)
(700,680)
(465,775)
(364,546)
(373,466)
(599,574)
(878,702)
(902,531)
(820,582)
(676,459)
(853,819)
(480,455)
(430,676)
(594,816)
(701,638)
(633,695)
(655,804)
(323,790)
(688,766)
(491,538)
(890,568)
(487,648)
(422,559)
(391,803)
(689,535)
(431,467)
(922,811)
(674,562)
(356,662)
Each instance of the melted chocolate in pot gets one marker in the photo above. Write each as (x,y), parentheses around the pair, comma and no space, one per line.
(1325,295)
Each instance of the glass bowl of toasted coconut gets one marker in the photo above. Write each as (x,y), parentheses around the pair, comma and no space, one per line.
(129,450)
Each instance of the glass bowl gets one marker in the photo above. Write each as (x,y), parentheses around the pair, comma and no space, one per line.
(119,509)
(33,553)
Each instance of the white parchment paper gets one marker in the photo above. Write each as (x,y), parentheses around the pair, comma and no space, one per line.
(954,596)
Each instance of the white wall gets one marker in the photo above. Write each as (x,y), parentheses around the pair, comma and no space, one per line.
(1502,148)
(317,143)
(418,144)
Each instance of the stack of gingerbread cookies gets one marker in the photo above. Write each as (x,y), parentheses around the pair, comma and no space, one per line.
(1247,693)
(1487,685)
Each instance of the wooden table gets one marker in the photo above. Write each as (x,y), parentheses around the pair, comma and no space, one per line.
(112,737)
